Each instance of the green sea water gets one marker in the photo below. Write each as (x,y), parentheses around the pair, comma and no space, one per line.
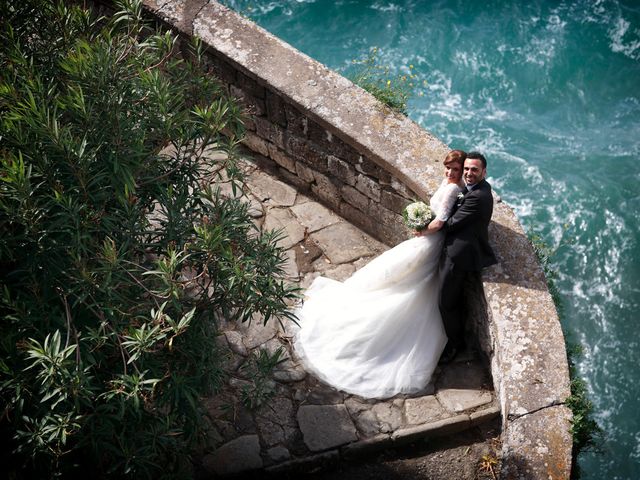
(550,92)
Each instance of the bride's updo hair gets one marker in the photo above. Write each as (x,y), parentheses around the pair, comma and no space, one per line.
(455,156)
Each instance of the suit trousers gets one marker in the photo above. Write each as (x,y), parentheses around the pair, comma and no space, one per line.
(452,302)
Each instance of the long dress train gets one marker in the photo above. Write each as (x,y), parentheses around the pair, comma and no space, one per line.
(379,333)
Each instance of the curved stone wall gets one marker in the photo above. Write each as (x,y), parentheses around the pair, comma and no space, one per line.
(328,137)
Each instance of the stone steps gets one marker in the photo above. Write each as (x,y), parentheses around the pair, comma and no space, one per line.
(306,423)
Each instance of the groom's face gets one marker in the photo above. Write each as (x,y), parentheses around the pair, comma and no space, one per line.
(473,171)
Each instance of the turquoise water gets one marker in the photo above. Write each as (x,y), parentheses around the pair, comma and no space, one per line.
(550,92)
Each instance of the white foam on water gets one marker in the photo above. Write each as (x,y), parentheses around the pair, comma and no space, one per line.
(448,105)
(636,447)
(265,8)
(386,7)
(617,33)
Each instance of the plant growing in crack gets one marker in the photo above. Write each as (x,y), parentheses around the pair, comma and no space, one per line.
(392,89)
(487,464)
(259,368)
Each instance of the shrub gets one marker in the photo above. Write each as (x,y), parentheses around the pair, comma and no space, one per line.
(118,253)
(378,79)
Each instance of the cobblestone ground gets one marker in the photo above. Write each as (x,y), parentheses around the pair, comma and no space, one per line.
(307,424)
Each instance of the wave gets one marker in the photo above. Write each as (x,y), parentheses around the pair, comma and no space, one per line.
(386,7)
(617,34)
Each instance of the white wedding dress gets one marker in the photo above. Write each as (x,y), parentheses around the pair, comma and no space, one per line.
(379,333)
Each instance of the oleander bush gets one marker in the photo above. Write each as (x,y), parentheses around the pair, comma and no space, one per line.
(118,253)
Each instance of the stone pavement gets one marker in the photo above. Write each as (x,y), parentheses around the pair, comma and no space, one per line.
(305,423)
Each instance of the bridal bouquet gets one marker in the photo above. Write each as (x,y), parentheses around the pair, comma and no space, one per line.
(417,215)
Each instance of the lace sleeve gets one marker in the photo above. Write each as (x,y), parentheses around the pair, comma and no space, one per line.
(449,197)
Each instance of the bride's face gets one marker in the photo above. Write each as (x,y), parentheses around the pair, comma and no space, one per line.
(453,172)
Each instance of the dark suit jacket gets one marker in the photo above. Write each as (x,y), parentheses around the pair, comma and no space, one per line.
(466,232)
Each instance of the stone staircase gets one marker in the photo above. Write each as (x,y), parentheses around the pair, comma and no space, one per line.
(307,424)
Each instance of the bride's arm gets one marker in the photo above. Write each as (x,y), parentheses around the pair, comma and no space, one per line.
(445,211)
(435,225)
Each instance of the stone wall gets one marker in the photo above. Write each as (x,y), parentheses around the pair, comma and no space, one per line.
(328,137)
(308,123)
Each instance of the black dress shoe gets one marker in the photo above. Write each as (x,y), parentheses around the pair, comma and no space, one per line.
(448,354)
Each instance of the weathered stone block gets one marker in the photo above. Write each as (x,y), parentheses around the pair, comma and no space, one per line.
(322,394)
(368,186)
(290,266)
(341,272)
(268,189)
(543,438)
(341,149)
(387,217)
(275,109)
(263,162)
(314,216)
(367,167)
(325,426)
(343,243)
(279,410)
(253,105)
(422,410)
(281,158)
(402,189)
(384,177)
(319,135)
(342,170)
(390,235)
(462,387)
(304,172)
(255,333)
(325,189)
(293,179)
(283,219)
(355,406)
(278,454)
(392,201)
(306,152)
(367,423)
(239,455)
(270,131)
(389,416)
(290,376)
(234,339)
(222,69)
(249,124)
(250,86)
(355,198)
(361,219)
(255,143)
(297,123)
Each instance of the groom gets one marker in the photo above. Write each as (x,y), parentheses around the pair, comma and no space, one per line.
(466,249)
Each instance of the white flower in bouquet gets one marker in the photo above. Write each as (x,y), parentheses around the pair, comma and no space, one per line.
(417,215)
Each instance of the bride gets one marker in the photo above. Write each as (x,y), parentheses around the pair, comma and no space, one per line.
(380,333)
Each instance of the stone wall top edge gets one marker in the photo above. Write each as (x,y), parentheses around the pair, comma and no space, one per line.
(530,445)
(327,97)
(526,324)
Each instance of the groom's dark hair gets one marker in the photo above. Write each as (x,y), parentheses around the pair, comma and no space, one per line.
(478,156)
